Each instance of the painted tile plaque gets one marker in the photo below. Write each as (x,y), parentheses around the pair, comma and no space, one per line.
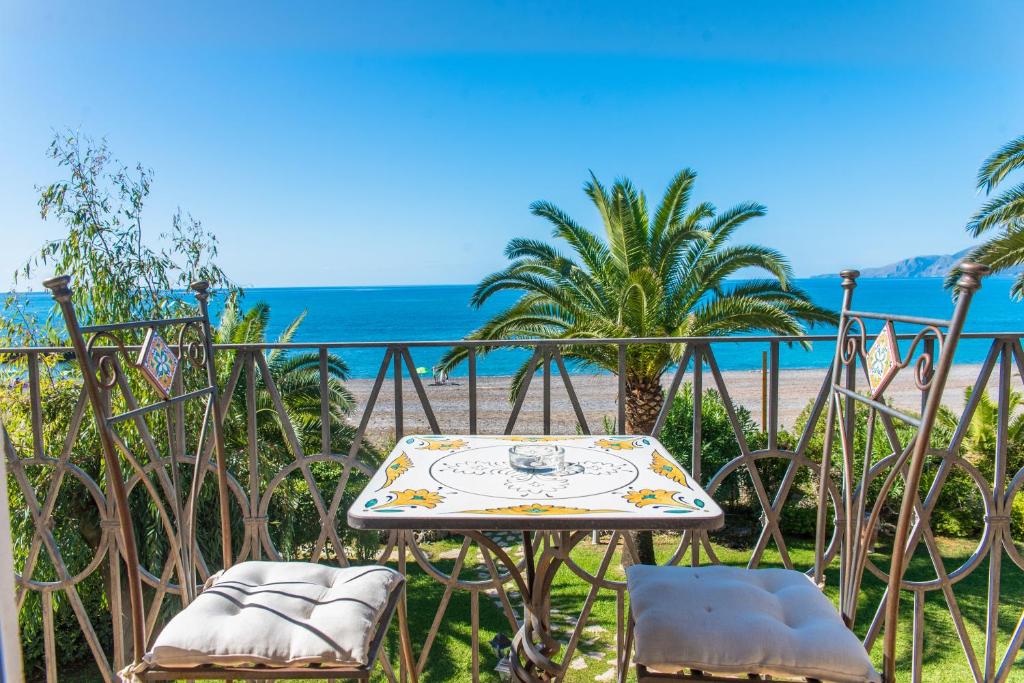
(883,360)
(158,363)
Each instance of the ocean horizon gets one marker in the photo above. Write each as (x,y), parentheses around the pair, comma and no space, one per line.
(396,313)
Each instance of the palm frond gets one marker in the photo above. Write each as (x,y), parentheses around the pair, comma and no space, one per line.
(671,211)
(731,315)
(1006,209)
(285,337)
(590,249)
(253,326)
(1001,163)
(728,261)
(1000,253)
(660,275)
(599,196)
(522,247)
(726,223)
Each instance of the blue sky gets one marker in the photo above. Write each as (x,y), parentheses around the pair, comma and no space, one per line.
(347,143)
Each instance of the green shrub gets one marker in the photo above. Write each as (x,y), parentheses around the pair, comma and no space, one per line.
(119,273)
(719,446)
(76,526)
(718,440)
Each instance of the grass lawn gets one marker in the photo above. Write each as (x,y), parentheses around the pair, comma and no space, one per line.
(451,654)
(944,658)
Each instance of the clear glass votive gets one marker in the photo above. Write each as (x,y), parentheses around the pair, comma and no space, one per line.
(541,458)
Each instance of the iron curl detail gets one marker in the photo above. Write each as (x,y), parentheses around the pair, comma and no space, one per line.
(926,361)
(106,367)
(194,350)
(852,346)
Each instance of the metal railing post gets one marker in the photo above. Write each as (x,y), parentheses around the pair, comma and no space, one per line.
(1000,652)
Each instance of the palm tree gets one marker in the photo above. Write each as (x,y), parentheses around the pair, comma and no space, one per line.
(297,377)
(979,445)
(1003,213)
(651,276)
(958,510)
(296,374)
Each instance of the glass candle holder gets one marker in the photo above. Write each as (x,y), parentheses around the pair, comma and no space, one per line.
(537,457)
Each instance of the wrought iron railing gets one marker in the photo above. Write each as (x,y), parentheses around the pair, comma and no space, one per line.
(43,463)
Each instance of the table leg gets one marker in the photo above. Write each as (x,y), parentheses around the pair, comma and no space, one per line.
(534,645)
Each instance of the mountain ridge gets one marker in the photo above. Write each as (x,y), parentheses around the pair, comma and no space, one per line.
(926,265)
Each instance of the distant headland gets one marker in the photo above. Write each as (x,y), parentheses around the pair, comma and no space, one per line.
(932,265)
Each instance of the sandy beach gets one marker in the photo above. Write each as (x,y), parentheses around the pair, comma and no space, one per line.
(597,395)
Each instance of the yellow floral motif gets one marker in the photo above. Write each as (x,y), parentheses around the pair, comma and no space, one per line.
(667,468)
(535,509)
(661,498)
(533,439)
(397,468)
(444,444)
(408,498)
(616,444)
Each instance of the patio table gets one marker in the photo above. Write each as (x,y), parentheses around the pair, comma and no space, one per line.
(467,485)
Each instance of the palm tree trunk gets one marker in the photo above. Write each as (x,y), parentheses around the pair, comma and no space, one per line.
(644,399)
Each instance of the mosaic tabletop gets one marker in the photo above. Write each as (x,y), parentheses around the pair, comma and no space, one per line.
(468,482)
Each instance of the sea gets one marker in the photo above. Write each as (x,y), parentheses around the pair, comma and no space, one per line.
(443,312)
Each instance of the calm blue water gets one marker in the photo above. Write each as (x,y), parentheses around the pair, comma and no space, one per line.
(443,312)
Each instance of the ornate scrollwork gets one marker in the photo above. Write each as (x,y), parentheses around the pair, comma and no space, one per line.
(852,346)
(926,361)
(190,346)
(194,350)
(106,367)
(855,345)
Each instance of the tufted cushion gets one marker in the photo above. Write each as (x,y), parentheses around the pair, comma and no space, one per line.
(727,620)
(278,614)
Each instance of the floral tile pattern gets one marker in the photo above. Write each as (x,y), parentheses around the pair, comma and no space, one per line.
(669,501)
(398,501)
(536,509)
(468,482)
(669,469)
(883,360)
(158,363)
(397,468)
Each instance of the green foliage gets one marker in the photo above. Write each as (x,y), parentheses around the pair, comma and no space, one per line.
(717,439)
(296,523)
(719,446)
(119,270)
(118,274)
(1002,215)
(656,274)
(960,510)
(75,518)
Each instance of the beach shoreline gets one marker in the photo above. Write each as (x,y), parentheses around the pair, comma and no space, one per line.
(597,397)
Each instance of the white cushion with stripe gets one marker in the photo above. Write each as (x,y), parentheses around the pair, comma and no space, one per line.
(279,614)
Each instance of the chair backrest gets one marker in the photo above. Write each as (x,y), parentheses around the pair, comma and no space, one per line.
(176,360)
(866,484)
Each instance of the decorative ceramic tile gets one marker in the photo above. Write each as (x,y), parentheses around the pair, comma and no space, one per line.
(158,363)
(883,360)
(468,482)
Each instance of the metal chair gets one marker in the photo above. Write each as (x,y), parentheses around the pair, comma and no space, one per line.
(251,620)
(718,623)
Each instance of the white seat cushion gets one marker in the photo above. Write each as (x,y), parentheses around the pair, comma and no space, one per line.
(279,614)
(728,620)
